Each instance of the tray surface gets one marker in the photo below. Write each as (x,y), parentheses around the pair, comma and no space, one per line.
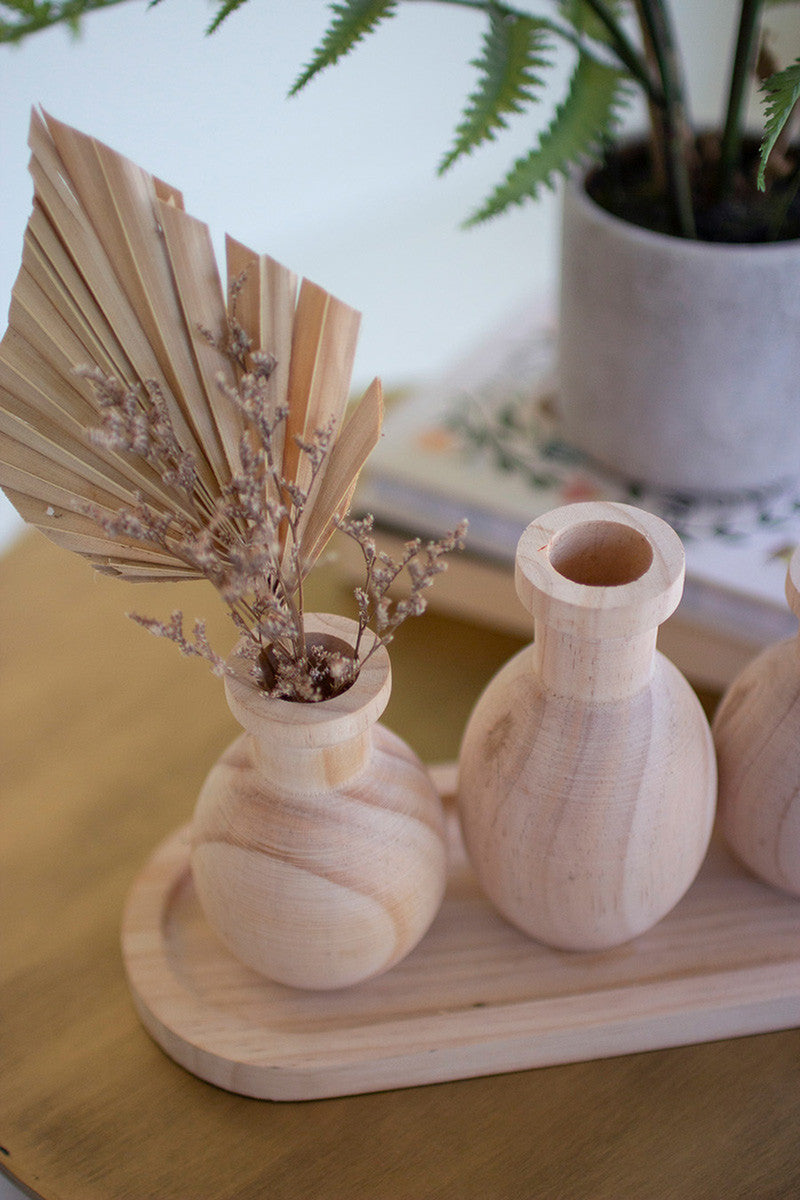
(474,998)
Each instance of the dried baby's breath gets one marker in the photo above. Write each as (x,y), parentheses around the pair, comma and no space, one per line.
(421,561)
(246,541)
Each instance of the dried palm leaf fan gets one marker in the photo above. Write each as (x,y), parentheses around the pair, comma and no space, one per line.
(119,299)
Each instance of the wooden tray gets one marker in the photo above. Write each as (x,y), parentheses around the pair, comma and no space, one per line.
(474,998)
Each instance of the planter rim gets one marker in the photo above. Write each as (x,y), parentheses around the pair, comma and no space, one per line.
(326,722)
(575,193)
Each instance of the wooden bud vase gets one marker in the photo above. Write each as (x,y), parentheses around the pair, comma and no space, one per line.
(587,779)
(318,849)
(757,735)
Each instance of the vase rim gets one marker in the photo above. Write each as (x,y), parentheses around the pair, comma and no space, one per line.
(324,722)
(600,569)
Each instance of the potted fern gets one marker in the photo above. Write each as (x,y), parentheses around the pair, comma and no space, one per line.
(680,299)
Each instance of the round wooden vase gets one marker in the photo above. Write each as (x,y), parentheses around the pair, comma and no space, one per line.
(587,779)
(318,849)
(757,735)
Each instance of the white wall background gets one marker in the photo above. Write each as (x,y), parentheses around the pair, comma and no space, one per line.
(339,182)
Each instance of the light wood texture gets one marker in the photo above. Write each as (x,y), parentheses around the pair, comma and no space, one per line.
(725,962)
(117,277)
(94,777)
(757,737)
(318,851)
(587,780)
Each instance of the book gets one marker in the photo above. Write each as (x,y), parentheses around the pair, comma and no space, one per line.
(483,442)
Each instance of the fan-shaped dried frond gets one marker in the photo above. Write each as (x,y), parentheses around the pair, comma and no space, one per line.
(119,288)
(168,434)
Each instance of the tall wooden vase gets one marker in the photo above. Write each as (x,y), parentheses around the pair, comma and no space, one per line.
(757,735)
(318,849)
(587,779)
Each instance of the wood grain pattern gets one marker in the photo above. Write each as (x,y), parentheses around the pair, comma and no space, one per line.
(726,962)
(757,737)
(318,850)
(587,780)
(94,778)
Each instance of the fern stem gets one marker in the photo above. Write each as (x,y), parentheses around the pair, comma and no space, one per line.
(670,125)
(487,7)
(743,63)
(627,53)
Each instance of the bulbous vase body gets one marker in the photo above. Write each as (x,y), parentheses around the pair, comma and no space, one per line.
(587,780)
(757,736)
(318,849)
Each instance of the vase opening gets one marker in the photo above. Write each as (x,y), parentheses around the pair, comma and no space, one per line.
(329,669)
(601,554)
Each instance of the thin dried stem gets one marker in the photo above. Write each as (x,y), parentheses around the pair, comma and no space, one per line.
(247,541)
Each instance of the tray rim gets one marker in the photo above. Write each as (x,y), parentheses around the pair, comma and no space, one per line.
(455,1044)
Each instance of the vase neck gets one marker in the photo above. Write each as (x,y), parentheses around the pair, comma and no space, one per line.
(298,769)
(599,570)
(593,670)
(598,579)
(304,747)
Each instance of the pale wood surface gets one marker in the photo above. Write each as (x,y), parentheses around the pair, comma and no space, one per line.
(318,849)
(94,777)
(587,777)
(757,733)
(725,961)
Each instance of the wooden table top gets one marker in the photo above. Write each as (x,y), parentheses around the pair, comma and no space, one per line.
(106,736)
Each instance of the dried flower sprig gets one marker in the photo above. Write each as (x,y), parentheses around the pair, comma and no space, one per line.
(173,629)
(247,541)
(183,479)
(422,561)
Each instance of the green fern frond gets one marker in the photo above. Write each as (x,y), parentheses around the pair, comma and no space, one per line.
(589,113)
(513,48)
(25,8)
(781,92)
(583,19)
(225,9)
(352,21)
(33,16)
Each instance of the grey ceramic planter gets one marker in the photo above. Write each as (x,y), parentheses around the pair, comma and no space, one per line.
(679,361)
